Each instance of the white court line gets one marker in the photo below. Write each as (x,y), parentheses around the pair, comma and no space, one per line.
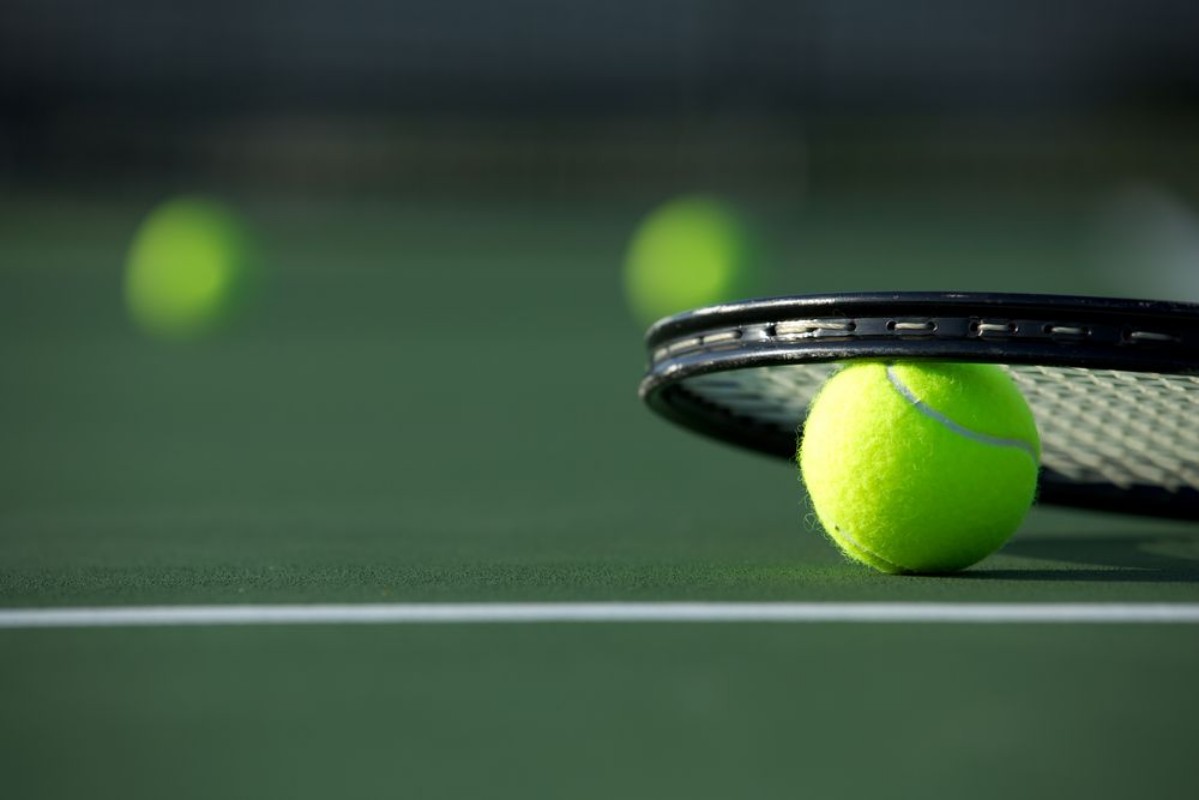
(518,613)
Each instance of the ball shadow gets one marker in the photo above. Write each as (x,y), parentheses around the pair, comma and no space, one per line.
(1120,558)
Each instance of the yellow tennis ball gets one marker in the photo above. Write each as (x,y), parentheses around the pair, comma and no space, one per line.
(920,467)
(187,266)
(690,252)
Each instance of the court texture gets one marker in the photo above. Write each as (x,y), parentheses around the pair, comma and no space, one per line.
(404,529)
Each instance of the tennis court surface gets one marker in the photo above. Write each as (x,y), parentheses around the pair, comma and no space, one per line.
(437,405)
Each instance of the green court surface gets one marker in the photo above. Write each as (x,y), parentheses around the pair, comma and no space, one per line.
(438,403)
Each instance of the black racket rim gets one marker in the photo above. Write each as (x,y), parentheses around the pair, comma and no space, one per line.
(1018,329)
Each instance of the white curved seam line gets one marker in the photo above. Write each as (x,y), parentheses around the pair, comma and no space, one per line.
(961,430)
(868,551)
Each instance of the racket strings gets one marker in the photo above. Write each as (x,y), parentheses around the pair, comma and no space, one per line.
(1125,429)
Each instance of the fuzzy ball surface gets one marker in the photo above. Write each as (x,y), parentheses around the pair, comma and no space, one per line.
(920,467)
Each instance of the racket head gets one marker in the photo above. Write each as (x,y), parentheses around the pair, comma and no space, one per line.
(1113,383)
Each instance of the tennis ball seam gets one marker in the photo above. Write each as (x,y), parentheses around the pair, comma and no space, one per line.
(848,538)
(936,416)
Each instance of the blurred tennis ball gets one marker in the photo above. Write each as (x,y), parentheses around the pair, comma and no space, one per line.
(187,269)
(692,251)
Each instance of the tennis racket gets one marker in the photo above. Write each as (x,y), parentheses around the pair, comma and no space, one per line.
(1113,384)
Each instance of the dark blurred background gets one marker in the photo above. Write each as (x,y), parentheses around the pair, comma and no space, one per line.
(765,97)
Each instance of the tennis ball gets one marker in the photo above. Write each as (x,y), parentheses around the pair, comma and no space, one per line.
(187,267)
(920,467)
(692,251)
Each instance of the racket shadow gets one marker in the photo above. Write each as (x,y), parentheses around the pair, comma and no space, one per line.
(1152,558)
